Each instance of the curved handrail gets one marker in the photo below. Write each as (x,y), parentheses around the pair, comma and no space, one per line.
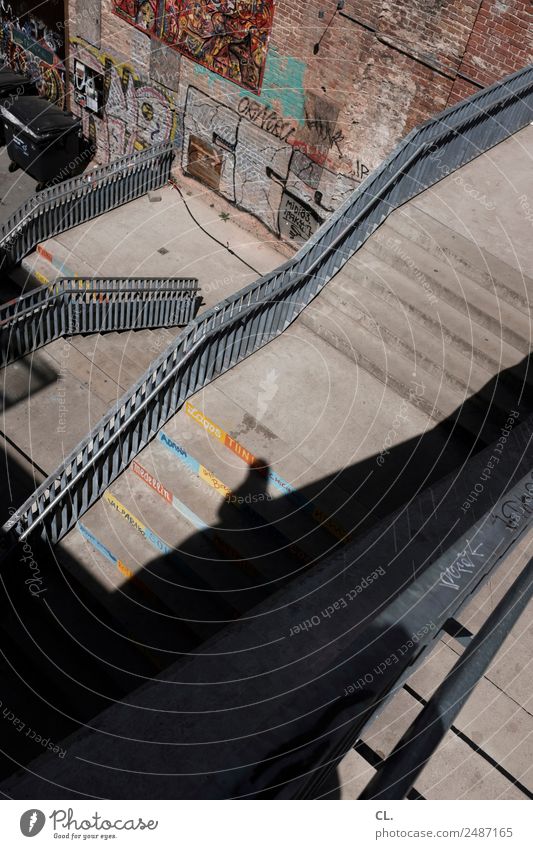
(266,307)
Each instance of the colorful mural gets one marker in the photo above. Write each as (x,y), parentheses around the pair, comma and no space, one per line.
(30,47)
(229,37)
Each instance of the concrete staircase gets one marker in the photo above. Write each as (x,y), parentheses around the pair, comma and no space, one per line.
(418,299)
(412,358)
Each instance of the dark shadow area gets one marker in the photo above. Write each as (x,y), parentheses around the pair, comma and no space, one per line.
(70,649)
(24,379)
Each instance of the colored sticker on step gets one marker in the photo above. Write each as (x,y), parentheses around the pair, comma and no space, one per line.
(169,496)
(211,479)
(146,532)
(131,576)
(193,464)
(60,266)
(204,422)
(105,552)
(95,542)
(317,514)
(151,481)
(217,541)
(44,253)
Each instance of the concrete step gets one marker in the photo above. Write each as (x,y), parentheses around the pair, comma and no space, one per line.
(437,277)
(240,524)
(49,621)
(286,522)
(466,256)
(439,401)
(28,712)
(121,356)
(319,497)
(403,467)
(414,341)
(52,260)
(392,324)
(159,568)
(148,623)
(473,341)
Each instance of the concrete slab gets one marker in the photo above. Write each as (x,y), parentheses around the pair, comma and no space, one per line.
(353,774)
(145,239)
(339,420)
(490,199)
(457,772)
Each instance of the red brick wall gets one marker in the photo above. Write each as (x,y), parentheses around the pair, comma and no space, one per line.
(323,119)
(501,41)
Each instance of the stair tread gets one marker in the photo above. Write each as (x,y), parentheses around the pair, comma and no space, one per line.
(472,340)
(463,252)
(387,320)
(287,466)
(382,314)
(162,578)
(438,401)
(439,277)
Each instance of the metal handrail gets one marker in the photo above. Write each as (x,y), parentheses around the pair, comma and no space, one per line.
(397,774)
(78,199)
(233,329)
(94,305)
(138,286)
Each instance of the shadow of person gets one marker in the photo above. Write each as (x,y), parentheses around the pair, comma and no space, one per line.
(248,531)
(218,573)
(260,543)
(221,573)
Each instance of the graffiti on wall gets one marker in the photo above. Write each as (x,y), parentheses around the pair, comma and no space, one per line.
(229,37)
(29,47)
(266,118)
(134,113)
(261,171)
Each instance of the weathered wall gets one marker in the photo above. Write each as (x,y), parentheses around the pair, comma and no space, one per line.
(323,118)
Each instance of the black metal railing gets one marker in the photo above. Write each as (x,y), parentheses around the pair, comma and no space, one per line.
(399,771)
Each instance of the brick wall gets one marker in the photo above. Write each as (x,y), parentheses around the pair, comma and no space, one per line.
(324,118)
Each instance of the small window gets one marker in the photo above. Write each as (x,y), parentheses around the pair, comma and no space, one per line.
(204,162)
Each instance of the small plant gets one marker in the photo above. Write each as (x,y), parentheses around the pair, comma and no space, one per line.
(224,216)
